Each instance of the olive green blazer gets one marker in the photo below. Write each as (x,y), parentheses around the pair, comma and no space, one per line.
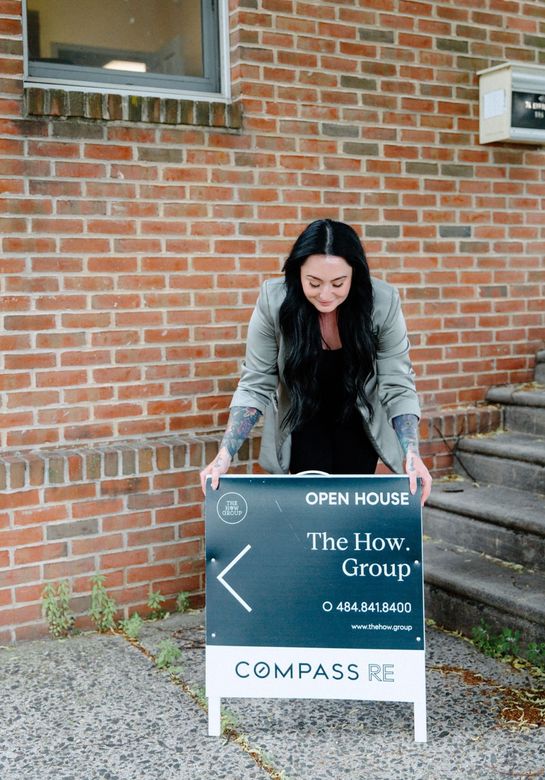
(391,391)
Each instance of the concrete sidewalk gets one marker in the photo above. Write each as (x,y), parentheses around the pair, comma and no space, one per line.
(96,707)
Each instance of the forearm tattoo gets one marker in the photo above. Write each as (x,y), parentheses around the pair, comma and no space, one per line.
(406,427)
(241,421)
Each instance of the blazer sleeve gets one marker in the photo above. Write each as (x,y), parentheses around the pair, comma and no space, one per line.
(259,376)
(395,375)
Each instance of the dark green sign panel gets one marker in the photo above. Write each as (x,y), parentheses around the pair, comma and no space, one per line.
(528,110)
(314,561)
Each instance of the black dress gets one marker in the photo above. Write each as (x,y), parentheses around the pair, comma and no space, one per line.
(327,442)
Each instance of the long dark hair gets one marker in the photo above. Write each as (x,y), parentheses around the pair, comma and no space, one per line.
(300,326)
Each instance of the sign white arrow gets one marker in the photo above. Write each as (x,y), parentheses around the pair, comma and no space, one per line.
(226,585)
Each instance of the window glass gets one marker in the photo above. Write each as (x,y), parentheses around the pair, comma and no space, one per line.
(126,41)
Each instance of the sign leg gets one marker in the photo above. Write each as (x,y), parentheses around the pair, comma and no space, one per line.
(420,725)
(214,717)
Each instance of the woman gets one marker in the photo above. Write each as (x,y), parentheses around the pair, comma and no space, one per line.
(327,363)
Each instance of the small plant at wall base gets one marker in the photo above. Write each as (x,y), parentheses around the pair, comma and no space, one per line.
(506,644)
(182,601)
(536,654)
(56,608)
(131,626)
(155,601)
(103,607)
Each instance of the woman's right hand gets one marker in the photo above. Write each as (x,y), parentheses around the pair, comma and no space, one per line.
(216,469)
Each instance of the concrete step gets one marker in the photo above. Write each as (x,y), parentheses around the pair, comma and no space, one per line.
(512,459)
(495,520)
(524,407)
(539,370)
(463,588)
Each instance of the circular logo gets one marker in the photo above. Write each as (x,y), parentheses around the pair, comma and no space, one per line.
(232,508)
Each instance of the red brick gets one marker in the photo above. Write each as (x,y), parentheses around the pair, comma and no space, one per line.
(19,615)
(96,508)
(151,536)
(123,560)
(124,486)
(29,593)
(151,501)
(150,573)
(80,170)
(69,568)
(131,520)
(42,552)
(188,549)
(21,536)
(69,493)
(97,544)
(107,152)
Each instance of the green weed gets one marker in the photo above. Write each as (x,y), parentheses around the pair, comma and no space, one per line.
(507,644)
(155,601)
(536,654)
(200,696)
(182,601)
(103,607)
(496,645)
(131,626)
(56,608)
(168,655)
(228,720)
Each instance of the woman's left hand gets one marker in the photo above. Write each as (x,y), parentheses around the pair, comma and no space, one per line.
(415,468)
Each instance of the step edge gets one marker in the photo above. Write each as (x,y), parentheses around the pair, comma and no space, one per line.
(491,517)
(502,449)
(513,397)
(466,588)
(484,596)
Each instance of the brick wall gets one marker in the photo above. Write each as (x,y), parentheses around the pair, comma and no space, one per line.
(135,233)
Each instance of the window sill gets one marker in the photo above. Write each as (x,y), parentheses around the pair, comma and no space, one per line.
(111,107)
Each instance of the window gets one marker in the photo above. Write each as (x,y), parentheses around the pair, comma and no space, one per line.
(145,46)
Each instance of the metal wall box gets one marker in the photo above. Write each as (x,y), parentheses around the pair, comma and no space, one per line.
(512,104)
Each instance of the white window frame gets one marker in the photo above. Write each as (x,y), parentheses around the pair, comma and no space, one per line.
(48,76)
